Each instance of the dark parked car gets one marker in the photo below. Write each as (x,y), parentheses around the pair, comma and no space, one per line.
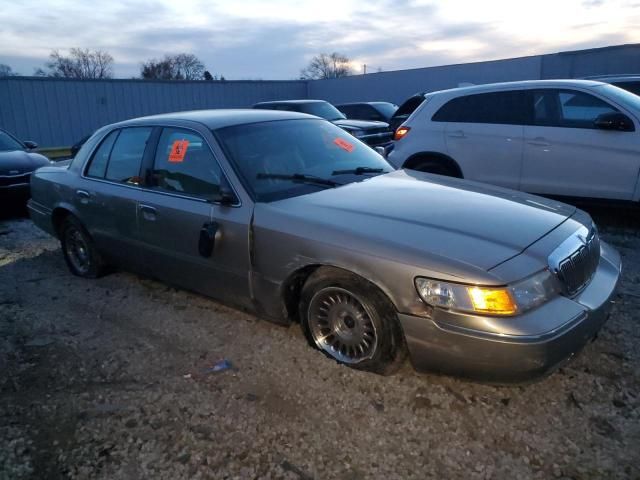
(75,148)
(405,110)
(294,219)
(631,83)
(377,111)
(17,163)
(371,133)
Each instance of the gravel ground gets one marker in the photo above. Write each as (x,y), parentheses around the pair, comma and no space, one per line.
(103,379)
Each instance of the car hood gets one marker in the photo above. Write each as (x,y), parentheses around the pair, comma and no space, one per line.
(16,162)
(422,217)
(360,124)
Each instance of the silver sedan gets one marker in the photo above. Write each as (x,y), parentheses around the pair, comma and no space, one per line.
(290,217)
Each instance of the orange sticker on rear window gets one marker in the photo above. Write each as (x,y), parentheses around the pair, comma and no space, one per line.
(343,144)
(178,151)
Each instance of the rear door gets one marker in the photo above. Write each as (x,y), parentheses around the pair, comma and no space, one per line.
(182,182)
(484,135)
(107,195)
(565,154)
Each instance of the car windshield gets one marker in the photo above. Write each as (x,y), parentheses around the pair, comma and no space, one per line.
(387,109)
(623,97)
(8,143)
(287,158)
(321,109)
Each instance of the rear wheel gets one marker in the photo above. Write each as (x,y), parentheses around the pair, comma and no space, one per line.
(351,321)
(80,253)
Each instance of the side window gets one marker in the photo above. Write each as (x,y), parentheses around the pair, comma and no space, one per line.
(580,109)
(126,155)
(507,108)
(567,108)
(98,164)
(184,164)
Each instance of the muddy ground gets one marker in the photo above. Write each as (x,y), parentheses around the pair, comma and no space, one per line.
(94,383)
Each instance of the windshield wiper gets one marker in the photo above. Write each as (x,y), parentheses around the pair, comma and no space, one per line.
(358,171)
(299,177)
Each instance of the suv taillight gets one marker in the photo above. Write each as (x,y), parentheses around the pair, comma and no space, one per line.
(401,132)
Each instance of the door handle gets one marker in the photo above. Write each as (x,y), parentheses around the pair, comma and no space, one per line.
(457,134)
(148,213)
(83,196)
(539,142)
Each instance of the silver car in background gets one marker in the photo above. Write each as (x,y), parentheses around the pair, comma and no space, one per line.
(290,217)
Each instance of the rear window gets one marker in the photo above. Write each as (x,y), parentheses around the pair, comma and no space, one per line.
(508,108)
(126,155)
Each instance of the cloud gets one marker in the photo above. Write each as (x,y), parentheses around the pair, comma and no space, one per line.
(274,40)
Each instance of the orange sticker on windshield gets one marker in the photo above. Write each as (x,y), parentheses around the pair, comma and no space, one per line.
(343,144)
(178,151)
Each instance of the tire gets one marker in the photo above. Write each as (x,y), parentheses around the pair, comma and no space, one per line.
(351,321)
(79,250)
(436,167)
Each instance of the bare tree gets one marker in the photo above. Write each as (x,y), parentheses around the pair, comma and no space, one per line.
(6,71)
(80,63)
(183,66)
(333,65)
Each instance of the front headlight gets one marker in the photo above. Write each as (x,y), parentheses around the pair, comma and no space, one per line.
(509,300)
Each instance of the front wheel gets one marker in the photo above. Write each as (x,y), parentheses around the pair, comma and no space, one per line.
(351,321)
(80,253)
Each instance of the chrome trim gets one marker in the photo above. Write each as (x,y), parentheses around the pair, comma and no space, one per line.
(576,259)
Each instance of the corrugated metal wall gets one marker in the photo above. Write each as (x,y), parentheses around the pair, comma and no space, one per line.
(56,112)
(398,85)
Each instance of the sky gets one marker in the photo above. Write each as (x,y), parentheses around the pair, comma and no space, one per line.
(275,39)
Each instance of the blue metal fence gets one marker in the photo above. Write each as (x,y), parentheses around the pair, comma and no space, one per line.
(56,112)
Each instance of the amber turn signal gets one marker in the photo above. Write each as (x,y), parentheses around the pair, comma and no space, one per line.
(401,132)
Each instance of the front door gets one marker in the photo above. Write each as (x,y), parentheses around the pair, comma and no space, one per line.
(181,188)
(566,155)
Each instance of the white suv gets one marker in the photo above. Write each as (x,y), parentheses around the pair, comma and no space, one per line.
(575,138)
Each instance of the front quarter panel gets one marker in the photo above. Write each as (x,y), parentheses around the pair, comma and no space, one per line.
(285,244)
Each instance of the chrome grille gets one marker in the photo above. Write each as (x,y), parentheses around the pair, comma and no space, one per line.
(576,270)
(8,180)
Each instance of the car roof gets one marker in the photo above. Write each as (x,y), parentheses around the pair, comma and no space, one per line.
(362,103)
(525,84)
(220,118)
(290,102)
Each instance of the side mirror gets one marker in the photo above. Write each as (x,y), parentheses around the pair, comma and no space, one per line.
(30,145)
(207,241)
(380,151)
(226,197)
(614,121)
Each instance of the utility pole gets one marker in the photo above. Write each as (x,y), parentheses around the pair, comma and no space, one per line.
(364,68)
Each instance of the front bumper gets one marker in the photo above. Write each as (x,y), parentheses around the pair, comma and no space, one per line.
(443,345)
